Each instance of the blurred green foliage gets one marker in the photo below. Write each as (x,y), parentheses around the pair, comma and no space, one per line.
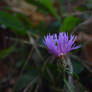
(48,4)
(45,5)
(6,52)
(12,22)
(80,8)
(69,24)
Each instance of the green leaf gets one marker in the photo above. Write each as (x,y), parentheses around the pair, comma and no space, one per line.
(78,68)
(69,23)
(36,3)
(4,53)
(48,4)
(12,22)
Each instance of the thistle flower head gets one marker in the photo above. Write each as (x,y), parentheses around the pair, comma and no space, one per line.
(60,44)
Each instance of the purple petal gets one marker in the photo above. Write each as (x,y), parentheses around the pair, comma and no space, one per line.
(76,47)
(61,44)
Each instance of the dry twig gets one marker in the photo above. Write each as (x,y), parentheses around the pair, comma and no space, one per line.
(89,20)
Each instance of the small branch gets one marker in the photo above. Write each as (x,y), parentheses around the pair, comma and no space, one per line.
(35,46)
(89,20)
(30,84)
(77,13)
(18,40)
(22,41)
(28,58)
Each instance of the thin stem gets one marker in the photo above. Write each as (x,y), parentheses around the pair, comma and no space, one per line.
(70,79)
(67,64)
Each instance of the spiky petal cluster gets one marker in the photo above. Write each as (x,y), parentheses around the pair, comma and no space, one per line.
(61,44)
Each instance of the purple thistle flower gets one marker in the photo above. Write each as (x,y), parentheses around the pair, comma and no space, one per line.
(61,44)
